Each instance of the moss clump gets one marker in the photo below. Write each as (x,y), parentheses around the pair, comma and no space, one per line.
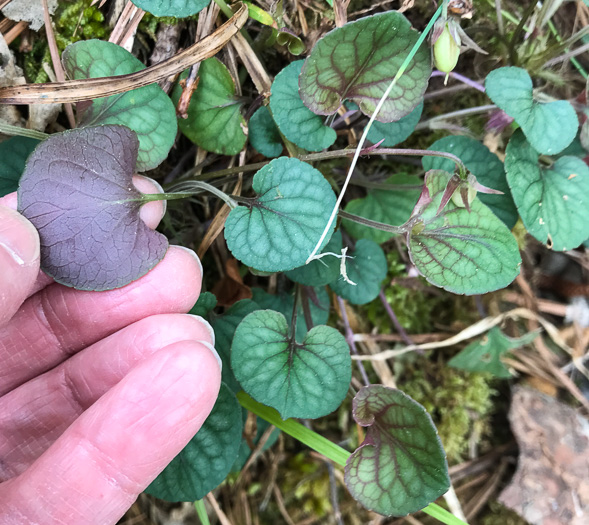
(76,21)
(307,483)
(459,402)
(500,515)
(412,307)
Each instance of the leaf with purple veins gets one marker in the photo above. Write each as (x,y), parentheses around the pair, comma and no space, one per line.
(77,190)
(401,466)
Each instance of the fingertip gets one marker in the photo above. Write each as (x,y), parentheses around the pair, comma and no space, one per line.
(186,269)
(151,212)
(19,260)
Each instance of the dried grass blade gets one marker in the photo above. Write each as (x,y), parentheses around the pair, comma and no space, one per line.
(87,89)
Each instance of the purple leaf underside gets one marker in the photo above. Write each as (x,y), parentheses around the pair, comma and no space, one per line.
(77,190)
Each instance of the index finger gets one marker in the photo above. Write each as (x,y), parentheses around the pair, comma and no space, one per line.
(96,469)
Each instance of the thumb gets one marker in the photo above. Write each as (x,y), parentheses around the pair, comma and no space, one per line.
(19,261)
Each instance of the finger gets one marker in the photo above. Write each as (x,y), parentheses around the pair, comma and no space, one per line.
(152,212)
(95,470)
(19,261)
(59,321)
(35,414)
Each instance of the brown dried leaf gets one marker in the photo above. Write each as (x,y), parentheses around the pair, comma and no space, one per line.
(550,486)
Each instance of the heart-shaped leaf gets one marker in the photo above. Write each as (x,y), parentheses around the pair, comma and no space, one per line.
(224,327)
(553,202)
(14,152)
(485,354)
(484,165)
(297,122)
(214,120)
(393,133)
(308,379)
(148,111)
(78,192)
(358,62)
(401,466)
(550,127)
(392,207)
(463,252)
(367,267)
(278,230)
(320,272)
(207,459)
(284,302)
(175,8)
(263,133)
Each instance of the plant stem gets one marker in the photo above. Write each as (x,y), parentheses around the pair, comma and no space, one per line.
(391,313)
(459,113)
(188,188)
(399,230)
(326,155)
(461,78)
(324,447)
(201,512)
(381,102)
(350,337)
(8,129)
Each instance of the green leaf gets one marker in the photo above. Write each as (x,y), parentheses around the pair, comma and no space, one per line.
(13,155)
(263,133)
(401,466)
(224,327)
(550,127)
(205,303)
(296,122)
(175,8)
(553,202)
(485,354)
(367,267)
(358,62)
(394,133)
(203,464)
(214,120)
(284,302)
(484,165)
(463,252)
(392,207)
(278,230)
(320,272)
(148,111)
(308,379)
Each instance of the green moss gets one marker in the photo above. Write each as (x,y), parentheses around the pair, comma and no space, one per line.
(500,515)
(72,22)
(459,402)
(306,487)
(412,307)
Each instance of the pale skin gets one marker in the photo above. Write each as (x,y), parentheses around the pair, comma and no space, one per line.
(98,390)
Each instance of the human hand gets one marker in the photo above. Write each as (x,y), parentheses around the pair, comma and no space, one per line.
(98,390)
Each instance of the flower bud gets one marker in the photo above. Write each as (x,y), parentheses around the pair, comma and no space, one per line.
(446,50)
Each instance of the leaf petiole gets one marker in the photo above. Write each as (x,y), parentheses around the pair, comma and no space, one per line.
(8,129)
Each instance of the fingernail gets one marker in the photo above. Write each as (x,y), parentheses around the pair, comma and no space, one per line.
(193,254)
(215,353)
(18,237)
(206,324)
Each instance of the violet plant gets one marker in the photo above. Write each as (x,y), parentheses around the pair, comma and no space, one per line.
(280,359)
